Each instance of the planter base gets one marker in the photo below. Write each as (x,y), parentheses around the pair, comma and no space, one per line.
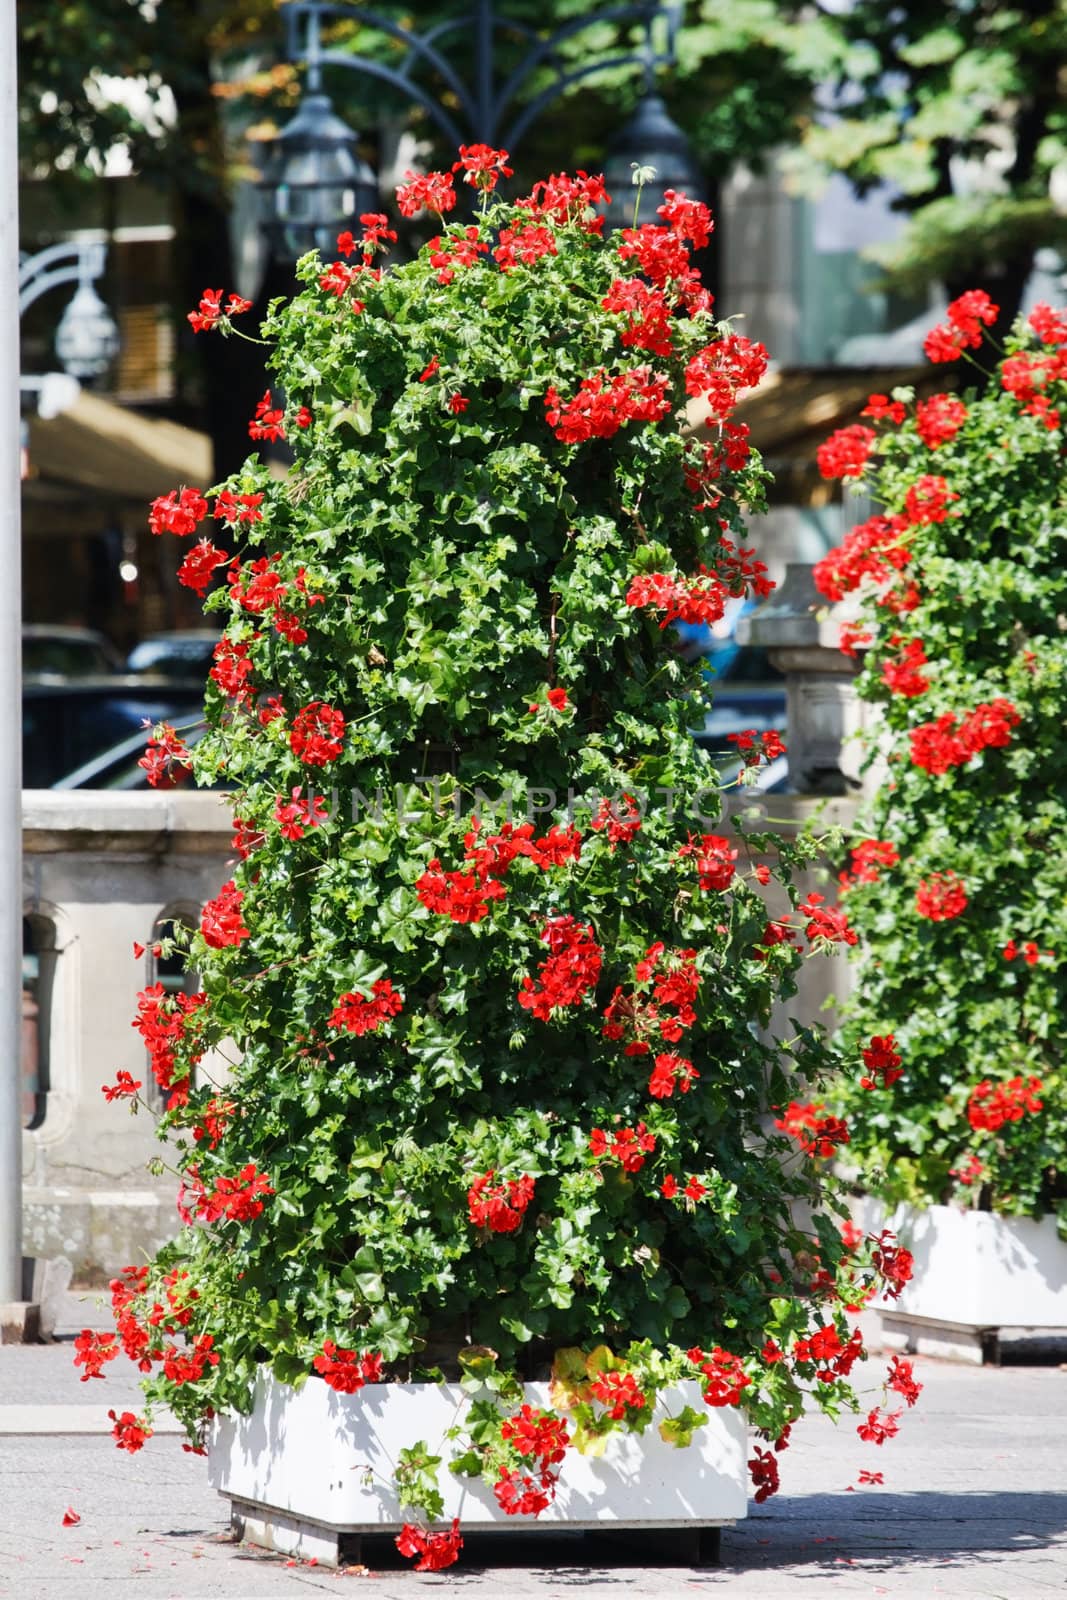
(967,1342)
(309,1472)
(661,1544)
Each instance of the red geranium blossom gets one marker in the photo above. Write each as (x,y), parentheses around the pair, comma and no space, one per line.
(180,512)
(845,453)
(500,1206)
(941,897)
(432,191)
(881,1059)
(220,920)
(356,1014)
(317,736)
(434,1550)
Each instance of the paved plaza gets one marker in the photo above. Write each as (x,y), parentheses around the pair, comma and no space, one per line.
(974,1504)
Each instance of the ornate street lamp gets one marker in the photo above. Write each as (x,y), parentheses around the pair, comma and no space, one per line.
(651,139)
(87,340)
(314,182)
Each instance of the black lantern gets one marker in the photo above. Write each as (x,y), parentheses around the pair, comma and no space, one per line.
(649,139)
(314,181)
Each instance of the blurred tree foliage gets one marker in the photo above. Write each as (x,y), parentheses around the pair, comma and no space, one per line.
(962,109)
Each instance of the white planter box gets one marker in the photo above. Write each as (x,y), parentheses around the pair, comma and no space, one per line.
(974,1271)
(296,1468)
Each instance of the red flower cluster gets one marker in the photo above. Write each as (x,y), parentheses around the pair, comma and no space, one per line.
(941,897)
(882,1061)
(882,409)
(618,1392)
(621,822)
(969,1170)
(434,1550)
(963,330)
(268,422)
(928,500)
(725,1379)
(93,1351)
(233,668)
(763,1470)
(1030,952)
(1050,326)
(200,566)
(565,199)
(572,969)
(556,699)
(870,550)
(904,676)
(129,1431)
(162,1020)
(347,1370)
(627,1146)
(648,315)
(536,1434)
(339,278)
(901,1379)
(879,1426)
(845,453)
(769,746)
(296,815)
(519,1494)
(714,860)
(816,1135)
(220,920)
(188,1365)
(825,922)
(689,219)
(209,314)
(671,1071)
(463,896)
(356,1014)
(451,250)
(125,1087)
(895,1265)
(524,246)
(215,1118)
(720,371)
(603,404)
(317,736)
(939,419)
(234,1199)
(867,857)
(432,191)
(695,600)
(482,166)
(501,1206)
(829,1355)
(991,1105)
(952,740)
(166,758)
(180,512)
(661,255)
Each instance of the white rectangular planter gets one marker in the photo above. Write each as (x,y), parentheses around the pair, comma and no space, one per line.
(974,1272)
(296,1468)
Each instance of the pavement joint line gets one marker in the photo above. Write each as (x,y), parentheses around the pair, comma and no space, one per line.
(71,1420)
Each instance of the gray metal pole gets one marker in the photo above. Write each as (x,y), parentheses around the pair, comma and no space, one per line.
(10,685)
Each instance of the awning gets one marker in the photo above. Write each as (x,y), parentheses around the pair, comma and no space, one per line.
(101,446)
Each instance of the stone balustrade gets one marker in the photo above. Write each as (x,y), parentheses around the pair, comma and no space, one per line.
(101,871)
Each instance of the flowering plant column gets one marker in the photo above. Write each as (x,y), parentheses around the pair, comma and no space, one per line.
(959,886)
(490,966)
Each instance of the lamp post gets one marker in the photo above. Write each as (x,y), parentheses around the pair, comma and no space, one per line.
(10,705)
(314,183)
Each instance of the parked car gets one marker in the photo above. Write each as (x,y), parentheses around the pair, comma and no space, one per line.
(54,652)
(65,724)
(184,653)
